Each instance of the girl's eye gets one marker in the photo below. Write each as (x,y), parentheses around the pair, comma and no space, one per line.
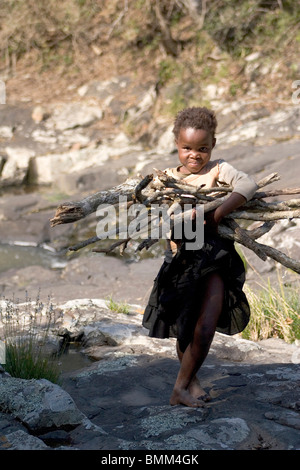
(202,149)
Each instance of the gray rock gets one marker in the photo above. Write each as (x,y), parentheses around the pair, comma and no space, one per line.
(21,440)
(221,433)
(70,115)
(53,168)
(108,332)
(105,90)
(161,419)
(287,418)
(282,124)
(16,166)
(39,404)
(6,132)
(234,348)
(39,113)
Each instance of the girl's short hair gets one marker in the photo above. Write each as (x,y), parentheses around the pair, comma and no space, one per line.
(196,118)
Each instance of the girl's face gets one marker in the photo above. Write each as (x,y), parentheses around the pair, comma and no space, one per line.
(194,149)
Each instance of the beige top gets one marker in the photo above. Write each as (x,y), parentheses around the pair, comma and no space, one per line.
(215,173)
(218,173)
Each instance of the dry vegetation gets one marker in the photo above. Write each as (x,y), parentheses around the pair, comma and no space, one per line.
(59,43)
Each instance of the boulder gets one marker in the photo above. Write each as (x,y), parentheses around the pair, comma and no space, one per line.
(17,162)
(39,113)
(70,115)
(39,404)
(21,440)
(57,168)
(280,125)
(6,132)
(105,90)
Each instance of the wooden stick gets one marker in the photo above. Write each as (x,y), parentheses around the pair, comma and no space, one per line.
(112,247)
(261,250)
(234,232)
(275,215)
(260,231)
(268,180)
(271,206)
(70,212)
(276,192)
(168,190)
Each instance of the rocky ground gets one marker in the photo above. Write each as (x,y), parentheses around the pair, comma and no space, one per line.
(121,401)
(119,382)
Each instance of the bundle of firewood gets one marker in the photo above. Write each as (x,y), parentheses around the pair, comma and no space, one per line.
(162,189)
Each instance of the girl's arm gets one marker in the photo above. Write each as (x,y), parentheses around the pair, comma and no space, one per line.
(244,188)
(213,218)
(234,201)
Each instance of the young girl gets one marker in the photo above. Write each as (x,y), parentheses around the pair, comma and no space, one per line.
(198,292)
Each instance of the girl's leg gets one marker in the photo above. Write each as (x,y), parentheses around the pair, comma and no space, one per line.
(196,352)
(195,388)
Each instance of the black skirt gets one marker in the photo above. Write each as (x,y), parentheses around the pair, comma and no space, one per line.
(175,300)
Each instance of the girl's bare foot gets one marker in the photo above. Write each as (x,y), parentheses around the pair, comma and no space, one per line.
(197,391)
(183,397)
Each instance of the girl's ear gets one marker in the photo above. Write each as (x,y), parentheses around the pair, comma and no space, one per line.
(214,142)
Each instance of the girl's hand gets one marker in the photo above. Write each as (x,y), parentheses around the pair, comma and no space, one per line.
(212,220)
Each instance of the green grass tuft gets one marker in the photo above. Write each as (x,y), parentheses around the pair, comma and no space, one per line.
(118,307)
(26,330)
(275,312)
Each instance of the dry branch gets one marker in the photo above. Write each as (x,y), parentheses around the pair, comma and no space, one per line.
(164,189)
(72,211)
(263,251)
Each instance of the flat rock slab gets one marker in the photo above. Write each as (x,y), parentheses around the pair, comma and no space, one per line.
(253,406)
(124,402)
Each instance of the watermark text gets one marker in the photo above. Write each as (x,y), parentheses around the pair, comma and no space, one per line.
(158,221)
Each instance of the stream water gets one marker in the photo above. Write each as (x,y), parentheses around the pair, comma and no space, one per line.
(73,359)
(20,255)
